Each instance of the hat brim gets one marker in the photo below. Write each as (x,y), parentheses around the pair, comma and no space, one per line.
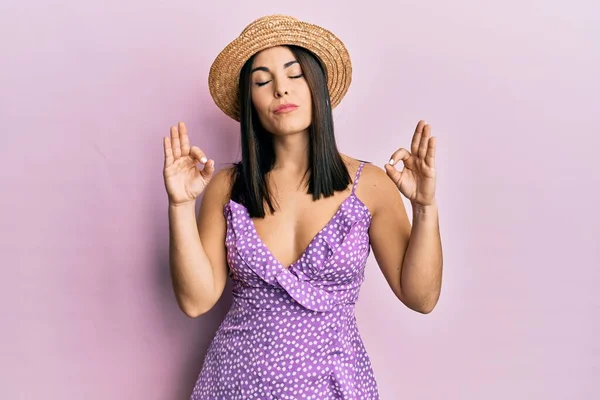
(224,73)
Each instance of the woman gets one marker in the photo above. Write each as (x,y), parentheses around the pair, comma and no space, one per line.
(291,225)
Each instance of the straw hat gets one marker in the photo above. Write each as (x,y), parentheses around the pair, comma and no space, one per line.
(278,30)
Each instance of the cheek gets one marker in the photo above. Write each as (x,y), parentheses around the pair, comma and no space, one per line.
(260,104)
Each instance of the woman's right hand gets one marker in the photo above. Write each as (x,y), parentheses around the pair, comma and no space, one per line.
(184,180)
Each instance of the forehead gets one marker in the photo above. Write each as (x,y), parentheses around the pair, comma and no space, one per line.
(274,56)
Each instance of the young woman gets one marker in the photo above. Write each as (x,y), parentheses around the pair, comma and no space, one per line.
(293,223)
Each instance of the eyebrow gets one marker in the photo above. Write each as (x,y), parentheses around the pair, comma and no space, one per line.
(286,65)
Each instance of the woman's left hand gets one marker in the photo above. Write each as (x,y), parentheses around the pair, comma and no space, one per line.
(416,181)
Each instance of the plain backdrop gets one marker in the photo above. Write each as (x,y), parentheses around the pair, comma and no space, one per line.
(510,88)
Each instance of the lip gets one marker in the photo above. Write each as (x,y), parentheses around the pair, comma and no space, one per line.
(285,108)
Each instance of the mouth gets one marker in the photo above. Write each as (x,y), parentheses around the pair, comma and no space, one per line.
(284,108)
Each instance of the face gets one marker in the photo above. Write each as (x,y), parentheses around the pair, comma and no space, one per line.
(280,92)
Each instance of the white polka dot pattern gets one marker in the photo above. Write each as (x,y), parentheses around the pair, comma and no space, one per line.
(291,332)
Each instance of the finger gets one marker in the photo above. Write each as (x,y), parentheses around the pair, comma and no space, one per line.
(175,143)
(394,174)
(168,151)
(399,155)
(424,142)
(209,168)
(198,155)
(184,139)
(414,145)
(430,157)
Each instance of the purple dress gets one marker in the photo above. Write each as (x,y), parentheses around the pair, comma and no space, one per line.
(291,332)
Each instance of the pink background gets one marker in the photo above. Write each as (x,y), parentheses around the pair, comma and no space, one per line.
(510,89)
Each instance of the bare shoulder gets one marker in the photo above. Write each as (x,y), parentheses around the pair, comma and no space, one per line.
(218,190)
(375,189)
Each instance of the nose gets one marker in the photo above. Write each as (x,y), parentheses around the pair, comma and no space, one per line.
(280,93)
(280,89)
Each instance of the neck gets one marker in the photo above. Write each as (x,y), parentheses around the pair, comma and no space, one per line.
(291,153)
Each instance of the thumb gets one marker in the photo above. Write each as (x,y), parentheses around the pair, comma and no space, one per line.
(393,173)
(209,169)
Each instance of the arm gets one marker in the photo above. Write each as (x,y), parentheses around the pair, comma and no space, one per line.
(197,254)
(422,266)
(410,259)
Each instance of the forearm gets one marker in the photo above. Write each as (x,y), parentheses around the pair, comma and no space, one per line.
(191,271)
(421,277)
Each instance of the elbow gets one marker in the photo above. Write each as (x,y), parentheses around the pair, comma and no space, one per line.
(195,310)
(422,308)
(425,308)
(422,305)
(192,313)
(420,298)
(196,306)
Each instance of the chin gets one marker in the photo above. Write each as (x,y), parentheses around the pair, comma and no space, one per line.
(290,127)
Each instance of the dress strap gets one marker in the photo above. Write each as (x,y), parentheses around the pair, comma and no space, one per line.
(357,177)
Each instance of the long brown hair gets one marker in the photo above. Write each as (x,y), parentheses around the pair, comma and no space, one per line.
(326,169)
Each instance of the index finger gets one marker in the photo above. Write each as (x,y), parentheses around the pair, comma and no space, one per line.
(399,155)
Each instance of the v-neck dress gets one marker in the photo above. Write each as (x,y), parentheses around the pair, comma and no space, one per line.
(291,332)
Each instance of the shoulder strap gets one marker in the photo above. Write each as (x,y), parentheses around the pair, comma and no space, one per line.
(357,177)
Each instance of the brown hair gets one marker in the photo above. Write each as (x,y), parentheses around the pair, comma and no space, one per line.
(326,169)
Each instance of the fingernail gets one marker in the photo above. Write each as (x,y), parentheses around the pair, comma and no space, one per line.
(203,160)
(391,161)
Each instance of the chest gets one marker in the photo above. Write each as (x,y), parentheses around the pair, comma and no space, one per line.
(288,232)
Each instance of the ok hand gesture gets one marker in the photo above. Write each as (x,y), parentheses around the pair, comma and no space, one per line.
(417,179)
(184,180)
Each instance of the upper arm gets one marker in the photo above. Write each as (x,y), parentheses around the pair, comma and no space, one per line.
(390,227)
(212,227)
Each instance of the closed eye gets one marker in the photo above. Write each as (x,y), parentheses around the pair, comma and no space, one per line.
(259,84)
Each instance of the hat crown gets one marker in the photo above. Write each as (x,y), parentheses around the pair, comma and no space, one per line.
(268,21)
(278,30)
